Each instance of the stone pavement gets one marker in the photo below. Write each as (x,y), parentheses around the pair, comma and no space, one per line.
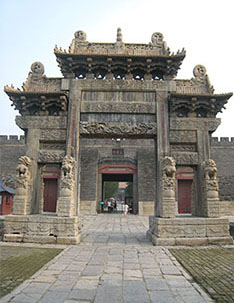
(114,263)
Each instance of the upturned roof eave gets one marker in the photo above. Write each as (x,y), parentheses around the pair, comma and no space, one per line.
(17,92)
(206,95)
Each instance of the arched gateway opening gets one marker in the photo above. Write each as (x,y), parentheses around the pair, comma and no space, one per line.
(122,177)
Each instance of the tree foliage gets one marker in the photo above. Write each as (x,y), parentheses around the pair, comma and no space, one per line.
(129,190)
(110,189)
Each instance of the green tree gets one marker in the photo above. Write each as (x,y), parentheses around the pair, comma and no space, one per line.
(129,190)
(110,189)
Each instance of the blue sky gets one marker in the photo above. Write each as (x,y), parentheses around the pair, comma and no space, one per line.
(29,30)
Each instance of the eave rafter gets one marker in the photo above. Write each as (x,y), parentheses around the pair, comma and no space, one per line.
(204,105)
(74,65)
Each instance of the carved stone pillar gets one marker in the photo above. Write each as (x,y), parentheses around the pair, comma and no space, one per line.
(32,142)
(22,199)
(65,203)
(210,195)
(162,144)
(167,204)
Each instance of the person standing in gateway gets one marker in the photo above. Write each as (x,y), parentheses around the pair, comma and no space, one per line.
(125,209)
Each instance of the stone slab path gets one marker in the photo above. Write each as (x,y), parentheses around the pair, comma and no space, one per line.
(114,263)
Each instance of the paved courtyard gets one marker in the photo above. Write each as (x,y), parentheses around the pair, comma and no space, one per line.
(114,263)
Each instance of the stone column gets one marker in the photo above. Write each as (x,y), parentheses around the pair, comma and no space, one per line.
(73,137)
(210,199)
(22,199)
(32,142)
(204,128)
(162,143)
(167,206)
(65,203)
(27,182)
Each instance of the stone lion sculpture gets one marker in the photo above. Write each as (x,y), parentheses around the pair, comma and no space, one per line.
(67,166)
(168,173)
(210,170)
(23,166)
(168,167)
(67,175)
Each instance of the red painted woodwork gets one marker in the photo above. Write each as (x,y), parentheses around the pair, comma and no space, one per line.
(50,195)
(51,174)
(184,196)
(7,203)
(117,169)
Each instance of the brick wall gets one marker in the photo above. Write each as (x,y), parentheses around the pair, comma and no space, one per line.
(11,148)
(146,175)
(88,176)
(222,151)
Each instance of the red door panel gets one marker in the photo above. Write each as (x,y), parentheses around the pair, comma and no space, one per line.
(50,195)
(184,196)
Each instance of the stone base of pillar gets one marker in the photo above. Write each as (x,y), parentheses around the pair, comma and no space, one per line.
(42,229)
(168,207)
(20,206)
(65,206)
(189,231)
(212,208)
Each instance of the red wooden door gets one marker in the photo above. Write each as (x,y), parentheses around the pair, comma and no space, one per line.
(184,196)
(50,195)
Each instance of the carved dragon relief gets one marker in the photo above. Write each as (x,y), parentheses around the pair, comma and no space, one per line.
(121,129)
(46,156)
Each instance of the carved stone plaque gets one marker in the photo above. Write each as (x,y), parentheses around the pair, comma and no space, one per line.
(114,107)
(183,136)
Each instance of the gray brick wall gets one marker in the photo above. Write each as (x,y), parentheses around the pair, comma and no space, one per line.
(88,177)
(10,150)
(146,175)
(222,151)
